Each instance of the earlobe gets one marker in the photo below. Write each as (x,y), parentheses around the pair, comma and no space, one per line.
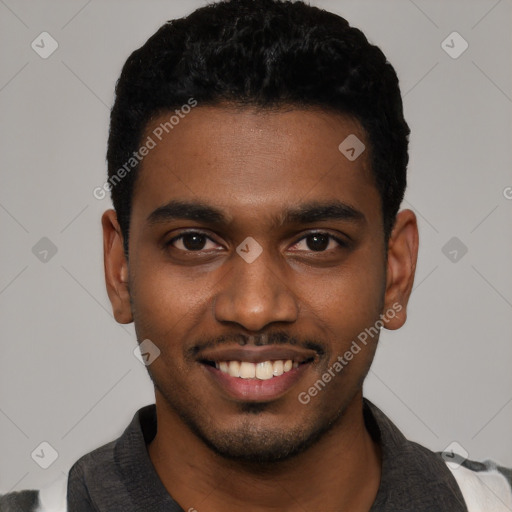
(401,267)
(116,268)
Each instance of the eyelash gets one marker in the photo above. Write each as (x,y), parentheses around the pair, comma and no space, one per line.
(342,244)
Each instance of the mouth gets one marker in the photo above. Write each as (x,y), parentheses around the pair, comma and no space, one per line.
(256,374)
(263,371)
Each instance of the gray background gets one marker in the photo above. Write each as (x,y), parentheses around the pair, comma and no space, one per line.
(68,375)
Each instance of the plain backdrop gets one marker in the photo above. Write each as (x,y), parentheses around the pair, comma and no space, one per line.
(68,375)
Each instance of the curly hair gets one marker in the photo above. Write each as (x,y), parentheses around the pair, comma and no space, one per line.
(266,54)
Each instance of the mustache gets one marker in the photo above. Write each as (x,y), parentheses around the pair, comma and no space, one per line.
(258,340)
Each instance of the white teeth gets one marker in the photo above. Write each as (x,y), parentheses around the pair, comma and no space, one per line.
(278,368)
(247,370)
(234,369)
(263,371)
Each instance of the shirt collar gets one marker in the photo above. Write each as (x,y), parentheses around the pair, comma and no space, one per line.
(139,476)
(413,477)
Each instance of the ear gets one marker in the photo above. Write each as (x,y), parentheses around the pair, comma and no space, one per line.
(401,267)
(116,268)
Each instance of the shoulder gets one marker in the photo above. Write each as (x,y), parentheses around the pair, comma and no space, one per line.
(51,498)
(22,501)
(486,486)
(435,480)
(89,474)
(94,463)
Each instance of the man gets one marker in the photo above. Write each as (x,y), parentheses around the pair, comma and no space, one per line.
(257,161)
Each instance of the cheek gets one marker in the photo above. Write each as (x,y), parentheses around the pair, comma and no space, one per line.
(162,302)
(349,304)
(351,315)
(350,296)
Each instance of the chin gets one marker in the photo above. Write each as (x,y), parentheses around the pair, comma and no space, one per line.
(253,443)
(258,447)
(254,434)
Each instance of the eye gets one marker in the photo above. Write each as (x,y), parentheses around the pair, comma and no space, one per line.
(192,241)
(319,242)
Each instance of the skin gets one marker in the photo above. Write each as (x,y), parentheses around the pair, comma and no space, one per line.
(253,166)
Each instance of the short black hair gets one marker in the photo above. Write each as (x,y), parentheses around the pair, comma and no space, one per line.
(266,54)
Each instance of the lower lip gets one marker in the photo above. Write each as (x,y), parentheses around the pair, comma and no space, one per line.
(256,390)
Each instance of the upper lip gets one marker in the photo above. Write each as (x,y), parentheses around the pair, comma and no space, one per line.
(257,354)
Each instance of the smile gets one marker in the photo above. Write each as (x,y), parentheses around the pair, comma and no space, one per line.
(264,371)
(256,373)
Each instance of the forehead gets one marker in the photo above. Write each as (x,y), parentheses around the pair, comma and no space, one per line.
(250,160)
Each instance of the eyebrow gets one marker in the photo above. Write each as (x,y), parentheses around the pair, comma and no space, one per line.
(307,213)
(319,211)
(176,210)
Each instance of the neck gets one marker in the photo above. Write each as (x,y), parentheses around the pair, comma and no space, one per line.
(340,472)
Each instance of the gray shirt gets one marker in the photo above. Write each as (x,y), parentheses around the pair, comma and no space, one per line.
(119,477)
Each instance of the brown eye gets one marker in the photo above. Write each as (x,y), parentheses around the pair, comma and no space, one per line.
(192,241)
(317,242)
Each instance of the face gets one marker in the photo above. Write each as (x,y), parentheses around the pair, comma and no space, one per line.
(256,258)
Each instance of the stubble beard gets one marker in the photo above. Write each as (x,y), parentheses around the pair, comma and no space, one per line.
(247,443)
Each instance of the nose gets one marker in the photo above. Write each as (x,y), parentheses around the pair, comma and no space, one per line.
(254,295)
